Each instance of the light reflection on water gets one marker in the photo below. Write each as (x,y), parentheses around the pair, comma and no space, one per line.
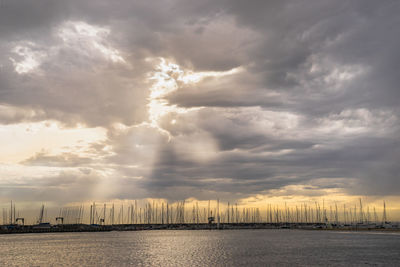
(200,248)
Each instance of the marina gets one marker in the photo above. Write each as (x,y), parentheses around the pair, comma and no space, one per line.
(183,216)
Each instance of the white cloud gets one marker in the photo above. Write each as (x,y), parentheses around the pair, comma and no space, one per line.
(89,40)
(29,57)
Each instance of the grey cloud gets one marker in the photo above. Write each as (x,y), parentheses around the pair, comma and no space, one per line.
(254,163)
(61,160)
(62,188)
(316,103)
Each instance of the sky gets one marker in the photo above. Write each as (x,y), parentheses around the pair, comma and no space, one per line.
(237,100)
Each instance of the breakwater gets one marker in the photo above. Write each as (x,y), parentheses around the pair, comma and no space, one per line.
(47,228)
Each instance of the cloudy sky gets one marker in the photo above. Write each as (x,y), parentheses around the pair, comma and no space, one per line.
(177,99)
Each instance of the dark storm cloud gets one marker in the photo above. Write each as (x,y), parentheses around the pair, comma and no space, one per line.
(315,102)
(297,35)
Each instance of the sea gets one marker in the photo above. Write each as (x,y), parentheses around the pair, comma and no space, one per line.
(281,247)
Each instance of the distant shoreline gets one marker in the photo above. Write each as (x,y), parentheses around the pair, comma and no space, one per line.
(47,228)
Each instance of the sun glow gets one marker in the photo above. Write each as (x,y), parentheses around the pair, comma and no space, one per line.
(22,140)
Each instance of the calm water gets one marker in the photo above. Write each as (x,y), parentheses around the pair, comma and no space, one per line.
(201,248)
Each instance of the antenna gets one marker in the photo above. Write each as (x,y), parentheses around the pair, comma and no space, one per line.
(11,213)
(104,214)
(384,219)
(218,213)
(40,220)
